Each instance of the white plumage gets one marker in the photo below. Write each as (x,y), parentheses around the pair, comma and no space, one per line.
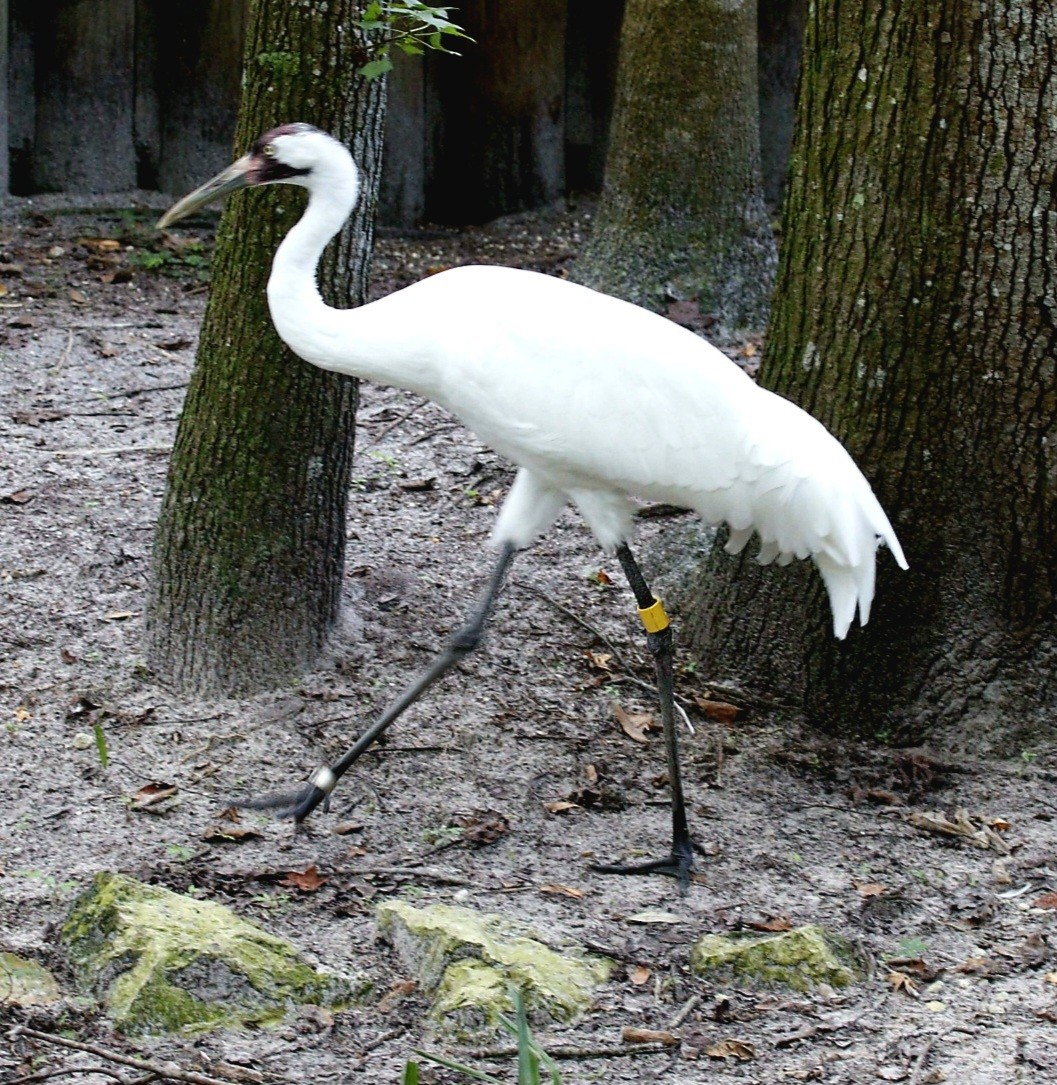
(597,401)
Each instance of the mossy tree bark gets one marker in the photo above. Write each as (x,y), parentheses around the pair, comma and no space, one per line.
(682,209)
(249,550)
(916,316)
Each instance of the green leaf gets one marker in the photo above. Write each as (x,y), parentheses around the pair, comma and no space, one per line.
(375,68)
(410,1075)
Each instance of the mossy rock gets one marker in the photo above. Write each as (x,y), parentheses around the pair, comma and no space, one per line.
(164,962)
(801,958)
(25,983)
(469,962)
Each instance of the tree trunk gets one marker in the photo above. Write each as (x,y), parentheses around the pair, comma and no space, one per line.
(501,143)
(84,96)
(248,555)
(199,46)
(781,35)
(917,318)
(682,210)
(5,157)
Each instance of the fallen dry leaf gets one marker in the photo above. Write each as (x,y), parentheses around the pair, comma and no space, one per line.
(599,660)
(78,297)
(960,825)
(655,915)
(559,806)
(151,795)
(1047,900)
(118,615)
(632,1035)
(562,891)
(19,497)
(900,981)
(633,724)
(400,989)
(343,828)
(869,889)
(720,711)
(639,975)
(222,834)
(773,924)
(101,244)
(973,964)
(731,1049)
(307,880)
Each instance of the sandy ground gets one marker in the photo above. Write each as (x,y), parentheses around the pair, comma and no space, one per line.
(95,350)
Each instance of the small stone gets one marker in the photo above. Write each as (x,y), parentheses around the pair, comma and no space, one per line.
(23,982)
(468,961)
(164,962)
(804,958)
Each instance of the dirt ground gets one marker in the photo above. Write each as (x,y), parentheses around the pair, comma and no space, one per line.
(501,787)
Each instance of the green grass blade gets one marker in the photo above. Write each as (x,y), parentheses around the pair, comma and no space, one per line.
(451,1064)
(100,744)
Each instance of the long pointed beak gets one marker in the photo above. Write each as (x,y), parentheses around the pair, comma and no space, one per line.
(237,175)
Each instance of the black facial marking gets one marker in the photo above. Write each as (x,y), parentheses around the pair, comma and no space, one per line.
(266,169)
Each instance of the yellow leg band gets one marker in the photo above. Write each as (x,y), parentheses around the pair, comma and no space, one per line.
(654,618)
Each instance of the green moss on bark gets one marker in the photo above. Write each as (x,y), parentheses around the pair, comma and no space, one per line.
(915,316)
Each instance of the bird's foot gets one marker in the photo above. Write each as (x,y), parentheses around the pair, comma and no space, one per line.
(679,864)
(297,804)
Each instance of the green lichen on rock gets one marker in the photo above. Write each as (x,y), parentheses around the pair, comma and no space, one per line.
(469,961)
(801,958)
(161,961)
(25,983)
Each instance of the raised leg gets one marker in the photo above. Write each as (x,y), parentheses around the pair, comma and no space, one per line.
(299,804)
(680,862)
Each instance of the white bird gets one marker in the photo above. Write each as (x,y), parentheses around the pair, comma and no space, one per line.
(595,400)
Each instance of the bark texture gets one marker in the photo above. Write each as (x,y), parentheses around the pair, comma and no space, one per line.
(500,143)
(917,318)
(682,210)
(84,96)
(248,556)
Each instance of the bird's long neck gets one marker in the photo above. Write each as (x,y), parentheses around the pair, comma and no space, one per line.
(301,317)
(362,342)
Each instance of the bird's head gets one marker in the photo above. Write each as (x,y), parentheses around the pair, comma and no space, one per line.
(295,154)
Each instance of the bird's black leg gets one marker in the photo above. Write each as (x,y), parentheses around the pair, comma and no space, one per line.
(300,804)
(680,862)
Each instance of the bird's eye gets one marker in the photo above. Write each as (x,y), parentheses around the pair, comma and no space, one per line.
(269,150)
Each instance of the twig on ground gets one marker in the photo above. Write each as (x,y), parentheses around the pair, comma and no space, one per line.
(129,393)
(412,872)
(386,430)
(921,1062)
(115,450)
(689,1006)
(566,612)
(570,1052)
(167,1070)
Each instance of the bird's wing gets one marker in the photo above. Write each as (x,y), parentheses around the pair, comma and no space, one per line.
(594,395)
